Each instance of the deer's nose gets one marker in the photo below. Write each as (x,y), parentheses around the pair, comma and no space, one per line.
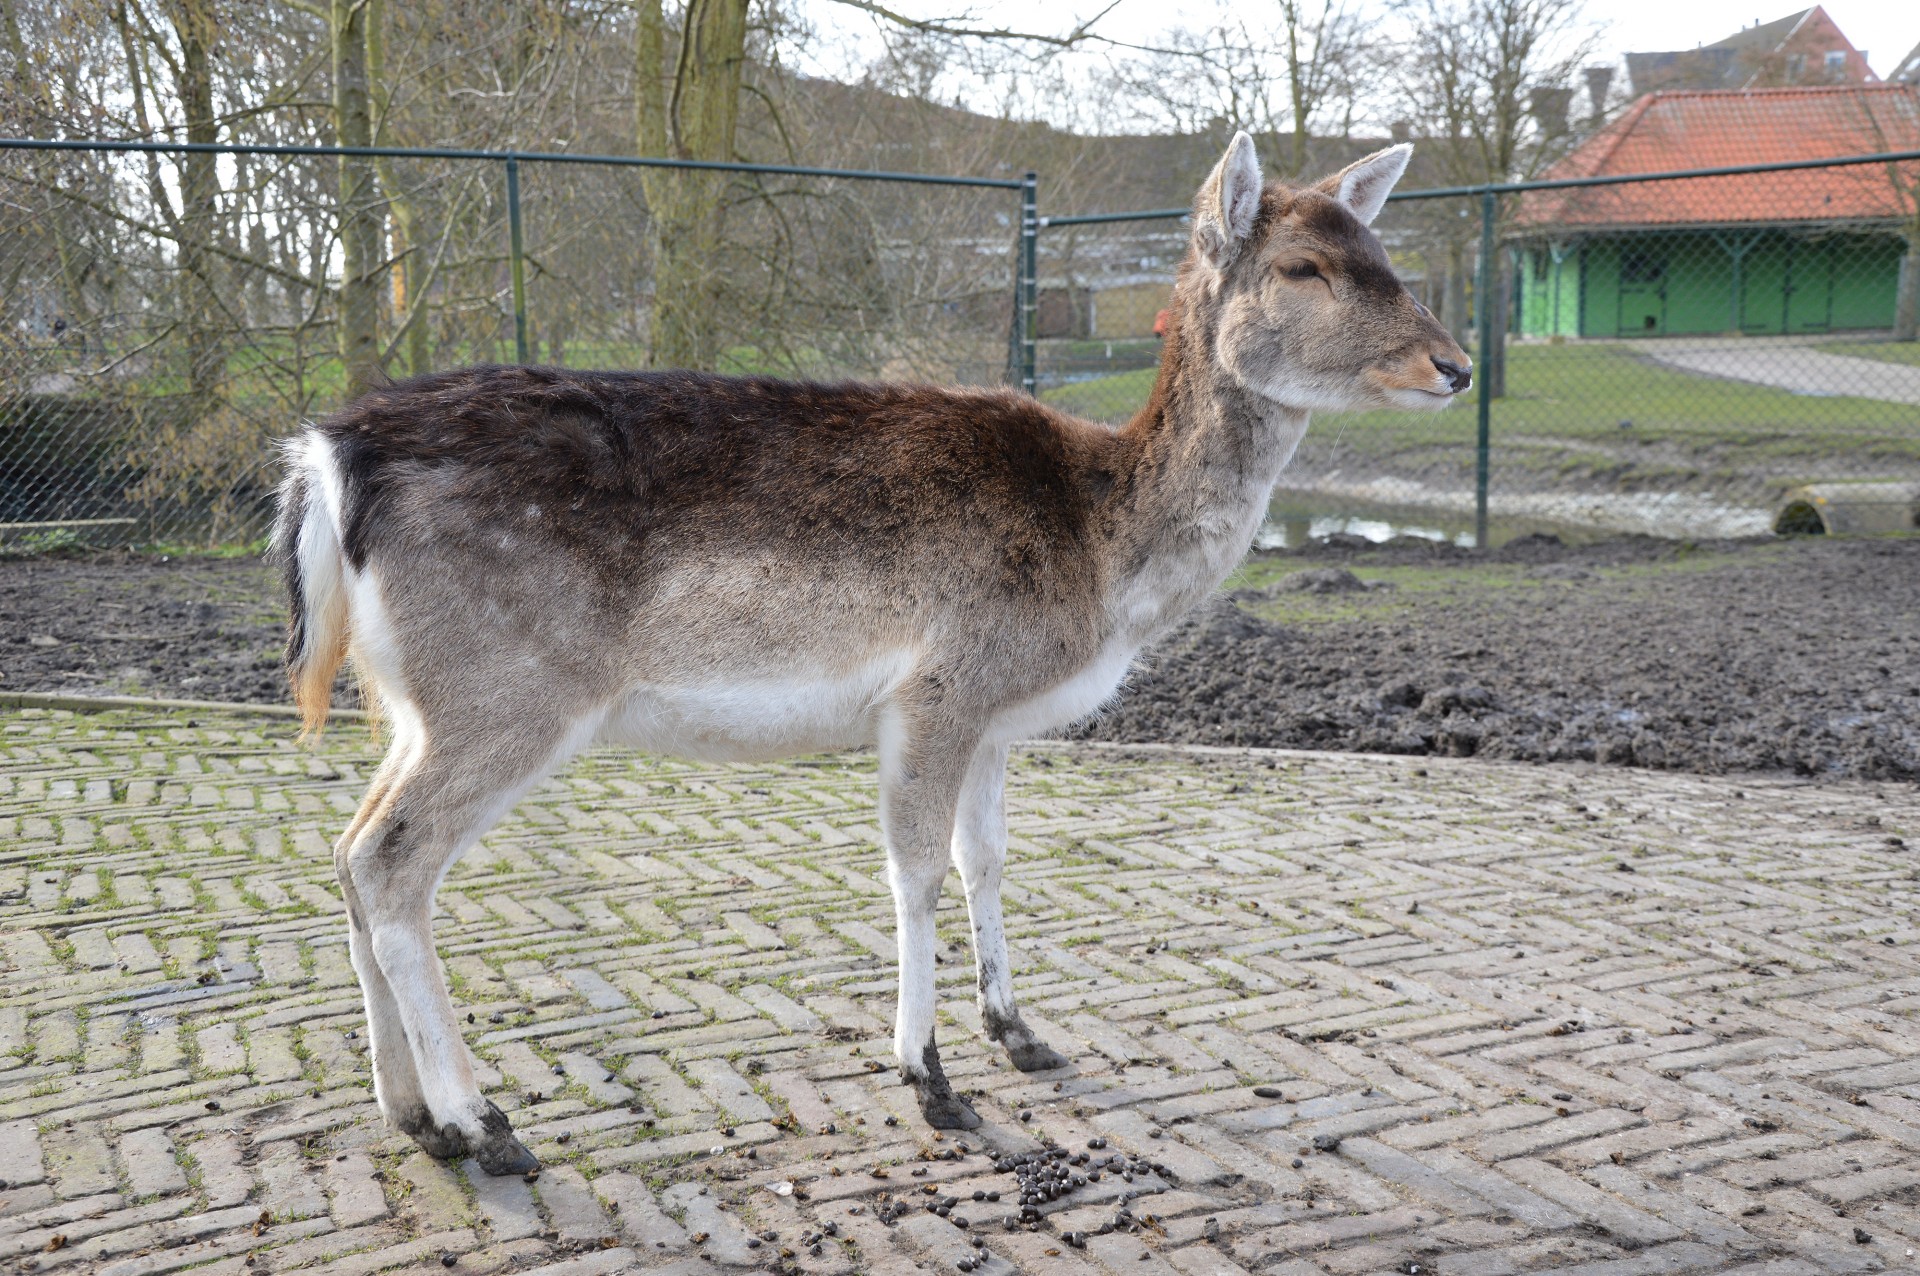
(1457,376)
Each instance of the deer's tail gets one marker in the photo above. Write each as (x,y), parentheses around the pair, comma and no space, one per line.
(306,542)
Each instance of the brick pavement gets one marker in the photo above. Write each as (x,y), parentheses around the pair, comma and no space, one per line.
(1367,1015)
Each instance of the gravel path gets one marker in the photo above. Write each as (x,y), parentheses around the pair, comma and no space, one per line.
(1799,369)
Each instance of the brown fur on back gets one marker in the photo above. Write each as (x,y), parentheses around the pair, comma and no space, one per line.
(605,481)
(655,449)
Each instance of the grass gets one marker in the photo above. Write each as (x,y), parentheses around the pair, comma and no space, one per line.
(1907,352)
(1586,391)
(228,549)
(1113,398)
(1466,583)
(1602,413)
(1409,587)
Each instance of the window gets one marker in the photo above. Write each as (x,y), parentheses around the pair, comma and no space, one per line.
(1641,268)
(1836,61)
(1796,65)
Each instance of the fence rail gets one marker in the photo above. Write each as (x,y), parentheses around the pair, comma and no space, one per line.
(147,361)
(1730,371)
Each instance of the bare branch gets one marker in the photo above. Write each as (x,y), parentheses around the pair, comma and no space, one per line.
(1081,34)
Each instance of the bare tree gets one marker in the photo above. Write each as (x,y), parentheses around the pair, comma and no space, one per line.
(361,217)
(690,111)
(1324,53)
(691,78)
(1468,70)
(1213,81)
(1292,69)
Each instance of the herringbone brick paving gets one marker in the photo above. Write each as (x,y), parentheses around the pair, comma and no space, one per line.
(1499,1018)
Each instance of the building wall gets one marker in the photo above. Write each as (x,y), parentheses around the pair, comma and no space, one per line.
(1802,57)
(1127,312)
(1062,312)
(1550,291)
(1683,282)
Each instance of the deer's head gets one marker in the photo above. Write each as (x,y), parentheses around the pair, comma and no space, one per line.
(1306,308)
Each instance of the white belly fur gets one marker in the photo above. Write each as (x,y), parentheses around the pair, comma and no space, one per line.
(763,719)
(757,720)
(1070,701)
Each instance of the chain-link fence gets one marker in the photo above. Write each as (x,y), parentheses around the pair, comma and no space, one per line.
(1712,355)
(167,312)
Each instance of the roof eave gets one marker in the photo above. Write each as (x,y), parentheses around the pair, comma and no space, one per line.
(1560,230)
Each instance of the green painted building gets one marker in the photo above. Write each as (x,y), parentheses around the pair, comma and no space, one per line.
(1660,282)
(1803,251)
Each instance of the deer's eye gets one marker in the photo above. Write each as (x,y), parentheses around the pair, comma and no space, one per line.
(1300,270)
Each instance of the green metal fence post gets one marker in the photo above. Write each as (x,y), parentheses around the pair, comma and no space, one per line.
(1028,295)
(520,354)
(1483,287)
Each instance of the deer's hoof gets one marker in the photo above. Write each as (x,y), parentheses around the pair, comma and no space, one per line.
(1036,1056)
(503,1154)
(948,1112)
(498,1151)
(943,1109)
(442,1142)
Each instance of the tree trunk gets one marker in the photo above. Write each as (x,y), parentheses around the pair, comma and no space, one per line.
(1453,300)
(1906,301)
(1493,360)
(409,269)
(361,220)
(197,29)
(688,112)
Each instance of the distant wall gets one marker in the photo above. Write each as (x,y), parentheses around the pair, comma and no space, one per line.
(1127,312)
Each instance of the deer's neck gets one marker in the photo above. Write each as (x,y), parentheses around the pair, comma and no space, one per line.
(1206,453)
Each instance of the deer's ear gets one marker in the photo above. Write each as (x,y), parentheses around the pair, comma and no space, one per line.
(1363,186)
(1224,209)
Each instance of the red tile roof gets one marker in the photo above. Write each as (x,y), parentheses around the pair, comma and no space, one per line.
(1663,132)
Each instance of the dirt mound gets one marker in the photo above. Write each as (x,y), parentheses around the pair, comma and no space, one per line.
(1320,580)
(1801,657)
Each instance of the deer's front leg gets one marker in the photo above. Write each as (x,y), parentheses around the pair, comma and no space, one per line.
(919,781)
(980,853)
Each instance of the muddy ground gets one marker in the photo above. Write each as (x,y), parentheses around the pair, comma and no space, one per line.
(142,625)
(1797,655)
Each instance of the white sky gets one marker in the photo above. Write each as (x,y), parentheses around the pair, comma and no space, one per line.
(1884,29)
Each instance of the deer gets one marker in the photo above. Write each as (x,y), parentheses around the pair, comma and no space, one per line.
(524,561)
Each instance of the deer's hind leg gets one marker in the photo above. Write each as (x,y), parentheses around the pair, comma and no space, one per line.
(396,1086)
(922,765)
(460,779)
(980,853)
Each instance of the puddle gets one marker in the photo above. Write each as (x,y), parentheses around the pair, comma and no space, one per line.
(1290,526)
(1381,510)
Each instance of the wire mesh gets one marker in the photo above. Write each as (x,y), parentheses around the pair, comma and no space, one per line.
(812,277)
(1717,356)
(1712,357)
(166,318)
